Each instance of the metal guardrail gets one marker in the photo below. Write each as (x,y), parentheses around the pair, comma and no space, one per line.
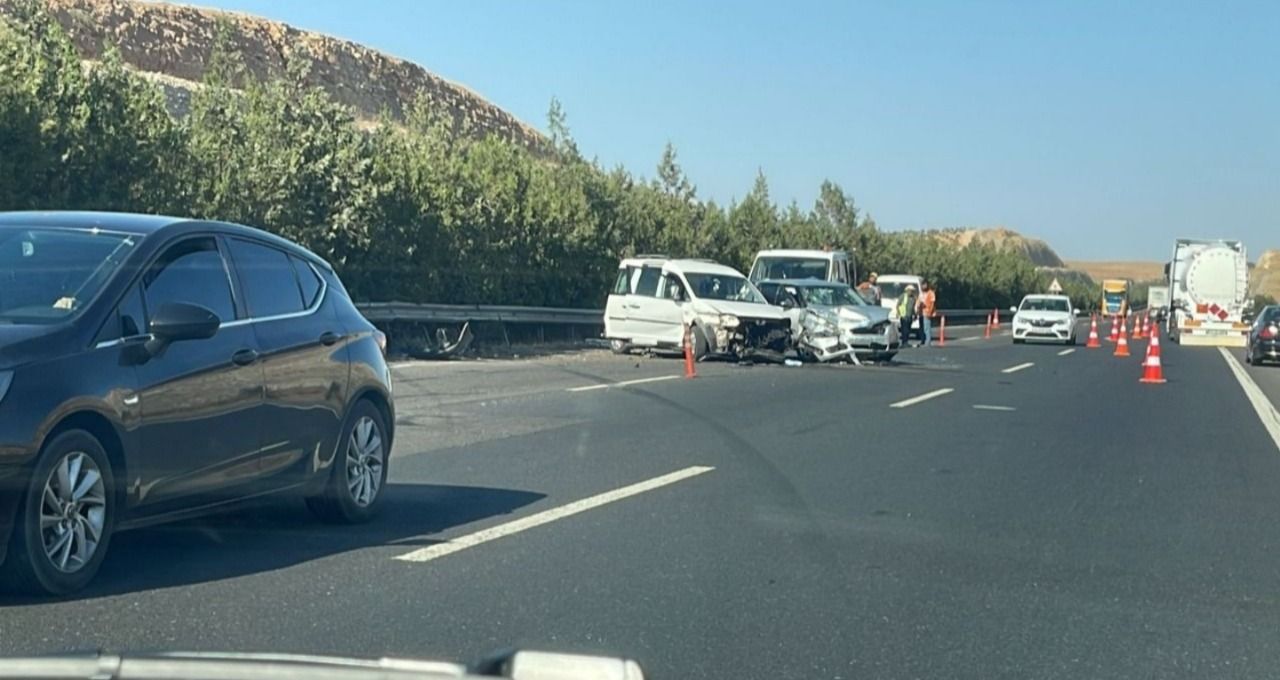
(408,311)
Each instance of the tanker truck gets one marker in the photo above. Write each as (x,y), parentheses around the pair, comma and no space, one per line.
(1208,287)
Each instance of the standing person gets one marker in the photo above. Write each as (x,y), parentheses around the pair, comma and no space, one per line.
(869,290)
(925,308)
(906,309)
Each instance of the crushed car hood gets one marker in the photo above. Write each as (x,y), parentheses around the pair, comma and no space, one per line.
(850,316)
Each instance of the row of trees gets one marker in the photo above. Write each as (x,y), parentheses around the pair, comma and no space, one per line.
(416,210)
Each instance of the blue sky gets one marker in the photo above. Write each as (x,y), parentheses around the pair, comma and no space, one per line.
(1106,128)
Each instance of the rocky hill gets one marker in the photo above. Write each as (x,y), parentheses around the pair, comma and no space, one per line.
(1035,250)
(171,45)
(1265,277)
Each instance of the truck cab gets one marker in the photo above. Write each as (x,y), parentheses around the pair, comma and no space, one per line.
(1115,297)
(823,265)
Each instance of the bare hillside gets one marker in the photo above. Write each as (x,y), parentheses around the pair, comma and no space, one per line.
(171,44)
(1035,250)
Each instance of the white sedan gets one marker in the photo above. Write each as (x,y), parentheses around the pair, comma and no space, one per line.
(1047,318)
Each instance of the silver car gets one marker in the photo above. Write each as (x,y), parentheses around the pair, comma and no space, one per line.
(830,321)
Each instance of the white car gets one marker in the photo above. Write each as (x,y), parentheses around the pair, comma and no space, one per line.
(654,298)
(1044,318)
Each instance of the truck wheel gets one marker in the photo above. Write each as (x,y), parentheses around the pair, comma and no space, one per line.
(619,346)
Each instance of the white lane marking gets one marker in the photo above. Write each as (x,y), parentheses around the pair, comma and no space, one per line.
(1019,367)
(924,397)
(624,383)
(1261,404)
(1065,352)
(547,516)
(989,407)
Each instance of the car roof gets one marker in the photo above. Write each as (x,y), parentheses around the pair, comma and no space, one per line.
(821,254)
(894,278)
(1045,296)
(109,221)
(702,267)
(804,283)
(145,225)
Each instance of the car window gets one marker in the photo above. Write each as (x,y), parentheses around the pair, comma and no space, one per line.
(672,289)
(308,281)
(1045,305)
(769,291)
(622,285)
(723,287)
(191,272)
(270,285)
(127,320)
(648,283)
(790,268)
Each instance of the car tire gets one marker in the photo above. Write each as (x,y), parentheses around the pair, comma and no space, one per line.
(1017,341)
(619,346)
(701,346)
(358,477)
(63,557)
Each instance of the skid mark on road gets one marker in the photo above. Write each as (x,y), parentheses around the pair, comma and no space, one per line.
(1261,404)
(624,383)
(924,397)
(547,516)
(1019,367)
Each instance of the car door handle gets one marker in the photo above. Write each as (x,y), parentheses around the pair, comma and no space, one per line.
(244,357)
(329,338)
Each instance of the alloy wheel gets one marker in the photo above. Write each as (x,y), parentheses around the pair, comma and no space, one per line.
(73,512)
(365,458)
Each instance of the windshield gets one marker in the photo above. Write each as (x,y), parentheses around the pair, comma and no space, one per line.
(789,268)
(830,296)
(47,275)
(723,287)
(893,289)
(1045,305)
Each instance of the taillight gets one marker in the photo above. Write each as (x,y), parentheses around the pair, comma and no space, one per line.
(1269,332)
(380,338)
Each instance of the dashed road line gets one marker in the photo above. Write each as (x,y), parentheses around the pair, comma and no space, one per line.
(547,516)
(624,383)
(990,407)
(1065,352)
(1019,367)
(1261,404)
(924,397)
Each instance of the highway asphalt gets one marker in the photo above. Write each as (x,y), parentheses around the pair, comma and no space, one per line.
(982,510)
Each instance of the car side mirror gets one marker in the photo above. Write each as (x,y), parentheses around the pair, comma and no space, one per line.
(175,321)
(1076,311)
(1014,310)
(787,302)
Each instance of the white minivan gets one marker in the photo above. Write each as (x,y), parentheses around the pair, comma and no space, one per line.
(823,265)
(654,298)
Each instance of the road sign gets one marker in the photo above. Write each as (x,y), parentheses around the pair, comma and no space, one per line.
(1055,287)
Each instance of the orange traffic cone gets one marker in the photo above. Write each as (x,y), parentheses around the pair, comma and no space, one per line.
(1139,329)
(996,316)
(1152,370)
(986,335)
(1122,344)
(689,370)
(1115,332)
(1093,334)
(942,332)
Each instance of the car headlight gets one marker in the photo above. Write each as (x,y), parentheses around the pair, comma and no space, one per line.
(729,321)
(6,378)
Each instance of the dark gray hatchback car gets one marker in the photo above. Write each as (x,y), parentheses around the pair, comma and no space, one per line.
(152,368)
